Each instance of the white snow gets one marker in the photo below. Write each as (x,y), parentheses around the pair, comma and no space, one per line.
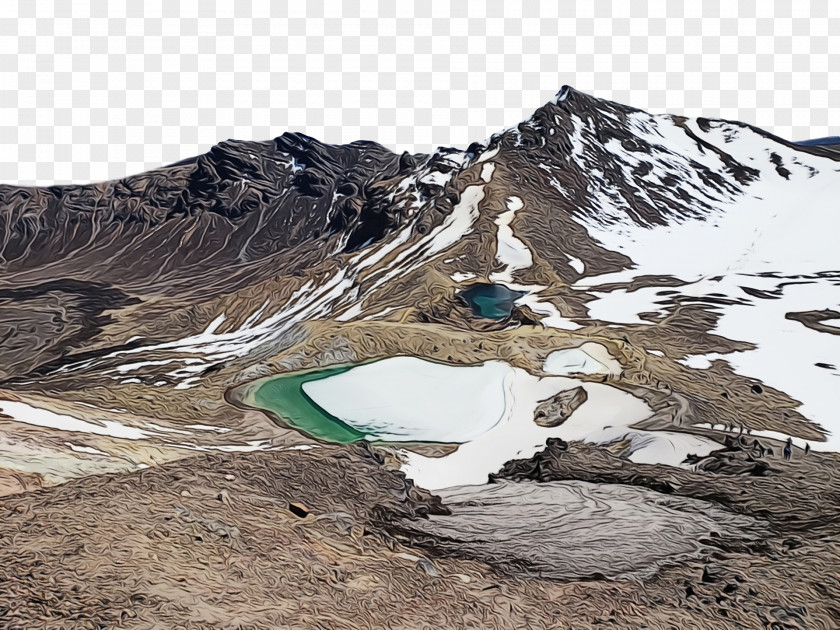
(462,276)
(487,155)
(551,315)
(773,225)
(29,414)
(187,383)
(561,96)
(130,367)
(308,302)
(576,264)
(786,351)
(436,178)
(487,171)
(459,223)
(701,361)
(510,251)
(573,361)
(456,225)
(338,293)
(248,447)
(382,313)
(206,427)
(410,399)
(163,429)
(515,255)
(577,138)
(351,313)
(603,419)
(84,449)
(622,306)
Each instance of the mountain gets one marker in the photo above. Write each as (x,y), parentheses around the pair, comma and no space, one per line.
(656,296)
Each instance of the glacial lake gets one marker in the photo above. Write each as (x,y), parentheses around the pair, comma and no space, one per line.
(284,396)
(494,301)
(398,399)
(487,409)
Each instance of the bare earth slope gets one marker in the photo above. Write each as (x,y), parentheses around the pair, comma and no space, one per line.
(213,542)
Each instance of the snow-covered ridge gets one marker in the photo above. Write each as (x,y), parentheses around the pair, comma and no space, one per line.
(747,221)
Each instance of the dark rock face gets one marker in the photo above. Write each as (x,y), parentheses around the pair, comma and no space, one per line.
(241,203)
(41,322)
(240,215)
(814,320)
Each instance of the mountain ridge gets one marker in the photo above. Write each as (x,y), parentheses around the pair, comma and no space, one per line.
(603,220)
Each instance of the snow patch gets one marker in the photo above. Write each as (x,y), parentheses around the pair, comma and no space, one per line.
(462,276)
(603,419)
(510,251)
(576,264)
(487,155)
(590,358)
(487,171)
(206,427)
(407,399)
(84,449)
(29,414)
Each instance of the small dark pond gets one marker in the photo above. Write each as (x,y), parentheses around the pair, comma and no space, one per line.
(494,301)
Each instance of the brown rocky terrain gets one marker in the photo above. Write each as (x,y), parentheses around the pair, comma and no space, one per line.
(317,538)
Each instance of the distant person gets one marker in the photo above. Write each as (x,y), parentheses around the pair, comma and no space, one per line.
(788,449)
